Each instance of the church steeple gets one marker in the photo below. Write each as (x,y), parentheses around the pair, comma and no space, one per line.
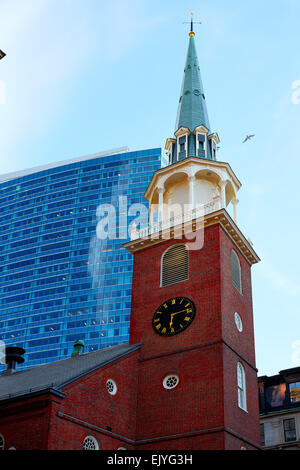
(192,129)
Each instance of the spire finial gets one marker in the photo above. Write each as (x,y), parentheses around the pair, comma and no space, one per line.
(192,32)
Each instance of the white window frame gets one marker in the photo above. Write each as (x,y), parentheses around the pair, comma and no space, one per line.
(240,290)
(115,388)
(185,145)
(238,322)
(94,440)
(2,442)
(197,143)
(241,386)
(161,264)
(165,381)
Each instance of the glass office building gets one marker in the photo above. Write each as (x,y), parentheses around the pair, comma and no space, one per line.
(59,281)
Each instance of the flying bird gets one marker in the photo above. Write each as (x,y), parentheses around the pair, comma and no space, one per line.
(248,137)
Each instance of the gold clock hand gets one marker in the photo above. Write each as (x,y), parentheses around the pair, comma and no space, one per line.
(176,313)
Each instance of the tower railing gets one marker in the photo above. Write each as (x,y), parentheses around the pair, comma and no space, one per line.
(187,216)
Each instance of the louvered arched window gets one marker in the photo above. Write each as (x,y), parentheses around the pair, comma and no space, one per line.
(241,383)
(236,271)
(175,265)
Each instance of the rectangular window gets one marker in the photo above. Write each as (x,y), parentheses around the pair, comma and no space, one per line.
(289,430)
(295,392)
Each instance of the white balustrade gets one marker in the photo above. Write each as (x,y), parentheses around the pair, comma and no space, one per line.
(151,229)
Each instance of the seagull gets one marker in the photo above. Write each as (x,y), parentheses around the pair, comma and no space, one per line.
(248,137)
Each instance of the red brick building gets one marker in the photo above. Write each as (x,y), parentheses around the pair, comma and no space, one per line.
(187,379)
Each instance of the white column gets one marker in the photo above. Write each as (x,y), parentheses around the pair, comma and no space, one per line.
(192,180)
(217,203)
(160,203)
(150,216)
(234,204)
(223,194)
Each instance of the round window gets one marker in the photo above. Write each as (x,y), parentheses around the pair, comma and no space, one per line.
(171,381)
(238,322)
(90,443)
(111,387)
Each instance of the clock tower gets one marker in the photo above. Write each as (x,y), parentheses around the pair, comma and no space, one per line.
(192,296)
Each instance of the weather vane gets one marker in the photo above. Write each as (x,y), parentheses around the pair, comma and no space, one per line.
(192,22)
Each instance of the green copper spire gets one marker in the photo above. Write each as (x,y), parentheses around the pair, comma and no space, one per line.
(193,137)
(192,111)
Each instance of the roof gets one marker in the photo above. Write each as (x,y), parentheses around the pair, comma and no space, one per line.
(49,166)
(56,375)
(192,110)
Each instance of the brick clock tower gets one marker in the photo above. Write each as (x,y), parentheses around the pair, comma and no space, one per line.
(192,295)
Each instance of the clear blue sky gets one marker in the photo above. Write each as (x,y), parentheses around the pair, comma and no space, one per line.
(84,76)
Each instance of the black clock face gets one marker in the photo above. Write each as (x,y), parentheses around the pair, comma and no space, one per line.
(174,316)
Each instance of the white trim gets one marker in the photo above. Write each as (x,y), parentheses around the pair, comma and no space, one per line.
(197,143)
(161,264)
(94,441)
(240,272)
(165,385)
(242,390)
(238,322)
(115,388)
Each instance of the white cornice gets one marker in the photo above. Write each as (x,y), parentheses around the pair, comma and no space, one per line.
(215,137)
(169,142)
(219,217)
(181,164)
(182,131)
(201,129)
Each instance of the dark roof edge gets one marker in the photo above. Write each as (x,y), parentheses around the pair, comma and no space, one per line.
(134,348)
(293,371)
(28,394)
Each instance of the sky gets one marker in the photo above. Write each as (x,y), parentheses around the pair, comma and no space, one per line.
(85,76)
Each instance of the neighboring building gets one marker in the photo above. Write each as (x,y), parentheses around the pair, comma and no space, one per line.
(279,401)
(58,280)
(187,379)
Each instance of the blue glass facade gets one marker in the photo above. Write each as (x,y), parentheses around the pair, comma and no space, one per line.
(58,281)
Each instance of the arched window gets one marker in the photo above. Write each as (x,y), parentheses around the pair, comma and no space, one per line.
(174,265)
(241,383)
(236,271)
(90,443)
(1,442)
